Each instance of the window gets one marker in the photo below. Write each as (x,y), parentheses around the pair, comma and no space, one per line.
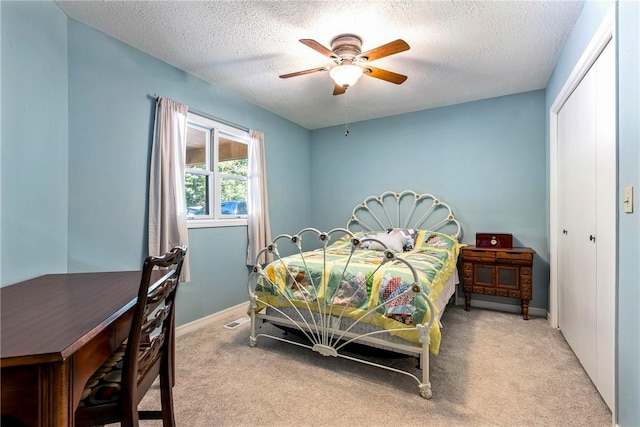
(216,167)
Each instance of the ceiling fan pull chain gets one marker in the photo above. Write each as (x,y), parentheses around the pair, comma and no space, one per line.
(346,121)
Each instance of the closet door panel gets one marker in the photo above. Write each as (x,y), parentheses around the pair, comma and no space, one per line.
(567,295)
(606,226)
(564,193)
(577,314)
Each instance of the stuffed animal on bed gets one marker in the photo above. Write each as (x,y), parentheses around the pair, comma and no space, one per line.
(408,236)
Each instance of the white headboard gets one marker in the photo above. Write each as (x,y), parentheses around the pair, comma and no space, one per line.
(404,209)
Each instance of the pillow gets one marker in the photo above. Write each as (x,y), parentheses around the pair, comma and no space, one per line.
(393,242)
(409,234)
(434,239)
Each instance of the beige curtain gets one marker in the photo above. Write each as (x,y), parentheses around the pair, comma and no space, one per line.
(259,230)
(167,204)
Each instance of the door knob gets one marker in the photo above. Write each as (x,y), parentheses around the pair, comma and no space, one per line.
(564,231)
(592,237)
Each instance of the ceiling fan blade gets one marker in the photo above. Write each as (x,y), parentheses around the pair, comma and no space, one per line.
(339,90)
(318,47)
(381,74)
(301,73)
(384,50)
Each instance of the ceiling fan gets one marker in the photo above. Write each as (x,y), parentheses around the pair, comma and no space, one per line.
(351,63)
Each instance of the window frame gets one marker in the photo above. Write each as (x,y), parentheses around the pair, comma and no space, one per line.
(213,128)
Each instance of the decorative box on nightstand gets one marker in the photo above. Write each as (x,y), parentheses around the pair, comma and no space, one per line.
(498,272)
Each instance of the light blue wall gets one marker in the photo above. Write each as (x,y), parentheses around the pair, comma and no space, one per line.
(1,145)
(485,159)
(628,298)
(79,141)
(110,141)
(34,140)
(629,224)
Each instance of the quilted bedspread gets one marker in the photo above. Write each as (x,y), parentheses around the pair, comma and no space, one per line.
(355,283)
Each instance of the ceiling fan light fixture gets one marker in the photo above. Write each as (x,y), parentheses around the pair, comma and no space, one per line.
(345,75)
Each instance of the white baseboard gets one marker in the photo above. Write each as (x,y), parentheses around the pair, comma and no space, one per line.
(498,306)
(237,311)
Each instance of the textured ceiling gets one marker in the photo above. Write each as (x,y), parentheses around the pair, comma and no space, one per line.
(460,51)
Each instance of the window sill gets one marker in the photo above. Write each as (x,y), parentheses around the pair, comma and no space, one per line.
(213,223)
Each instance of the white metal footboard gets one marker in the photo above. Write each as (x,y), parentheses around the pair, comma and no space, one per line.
(325,325)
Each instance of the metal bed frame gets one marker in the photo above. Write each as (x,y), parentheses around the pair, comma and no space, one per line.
(325,327)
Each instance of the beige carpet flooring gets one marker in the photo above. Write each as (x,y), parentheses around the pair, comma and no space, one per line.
(494,369)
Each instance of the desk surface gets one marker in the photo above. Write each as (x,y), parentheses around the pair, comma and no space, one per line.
(46,319)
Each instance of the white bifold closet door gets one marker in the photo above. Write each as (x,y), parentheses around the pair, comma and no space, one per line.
(586,222)
(577,214)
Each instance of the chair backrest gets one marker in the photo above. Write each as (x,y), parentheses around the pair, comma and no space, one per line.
(151,338)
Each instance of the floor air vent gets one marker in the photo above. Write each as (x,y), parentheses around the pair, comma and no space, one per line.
(237,322)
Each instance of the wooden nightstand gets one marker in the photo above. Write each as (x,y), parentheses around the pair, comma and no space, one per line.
(499,272)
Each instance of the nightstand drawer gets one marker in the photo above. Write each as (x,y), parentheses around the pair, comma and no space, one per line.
(514,257)
(478,255)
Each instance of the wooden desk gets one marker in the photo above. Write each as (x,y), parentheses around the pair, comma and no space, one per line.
(56,330)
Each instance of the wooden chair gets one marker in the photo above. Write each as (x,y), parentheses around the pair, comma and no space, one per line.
(113,393)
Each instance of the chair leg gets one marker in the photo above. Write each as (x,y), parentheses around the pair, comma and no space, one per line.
(130,416)
(166,396)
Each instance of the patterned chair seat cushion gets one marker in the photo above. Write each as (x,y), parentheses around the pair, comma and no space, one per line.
(104,385)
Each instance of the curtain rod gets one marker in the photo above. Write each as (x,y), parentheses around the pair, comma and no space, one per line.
(212,117)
